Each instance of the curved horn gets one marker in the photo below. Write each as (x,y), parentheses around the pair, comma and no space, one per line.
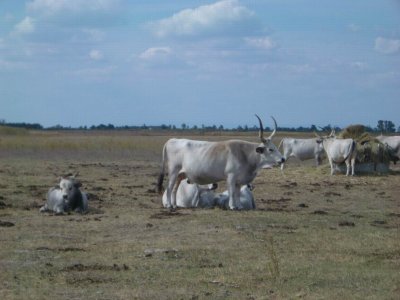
(273,132)
(261,131)
(317,135)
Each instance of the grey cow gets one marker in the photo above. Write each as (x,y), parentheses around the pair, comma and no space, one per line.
(246,199)
(66,196)
(302,149)
(393,143)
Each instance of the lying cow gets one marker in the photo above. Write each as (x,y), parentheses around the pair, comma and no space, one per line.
(339,151)
(246,200)
(66,196)
(203,162)
(193,195)
(302,149)
(393,143)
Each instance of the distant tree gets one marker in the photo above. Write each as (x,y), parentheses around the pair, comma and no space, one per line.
(184,126)
(390,127)
(221,127)
(380,126)
(385,126)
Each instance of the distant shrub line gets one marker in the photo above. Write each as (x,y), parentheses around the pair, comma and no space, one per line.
(383,126)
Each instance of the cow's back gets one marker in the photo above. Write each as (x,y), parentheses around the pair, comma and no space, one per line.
(55,201)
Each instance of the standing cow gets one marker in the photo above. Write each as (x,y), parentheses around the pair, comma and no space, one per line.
(204,162)
(393,143)
(339,151)
(193,195)
(302,149)
(66,196)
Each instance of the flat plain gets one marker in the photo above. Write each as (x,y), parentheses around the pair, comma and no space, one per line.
(312,236)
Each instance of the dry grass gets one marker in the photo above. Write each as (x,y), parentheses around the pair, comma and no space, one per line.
(312,236)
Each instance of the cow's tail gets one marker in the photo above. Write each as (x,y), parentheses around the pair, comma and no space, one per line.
(161,176)
(352,149)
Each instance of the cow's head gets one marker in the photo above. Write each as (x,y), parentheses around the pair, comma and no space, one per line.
(68,186)
(269,152)
(321,138)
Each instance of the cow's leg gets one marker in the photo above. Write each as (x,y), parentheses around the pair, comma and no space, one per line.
(237,197)
(348,167)
(233,192)
(318,160)
(180,177)
(332,166)
(171,183)
(353,163)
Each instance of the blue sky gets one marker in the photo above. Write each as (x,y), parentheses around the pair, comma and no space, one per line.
(87,62)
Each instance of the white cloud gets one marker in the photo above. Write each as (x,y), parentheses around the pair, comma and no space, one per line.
(8,17)
(264,43)
(52,7)
(387,46)
(95,73)
(156,53)
(94,35)
(26,26)
(354,27)
(215,18)
(96,55)
(358,65)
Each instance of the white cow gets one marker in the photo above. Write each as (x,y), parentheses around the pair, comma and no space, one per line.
(193,195)
(66,196)
(339,151)
(393,142)
(246,198)
(204,162)
(302,149)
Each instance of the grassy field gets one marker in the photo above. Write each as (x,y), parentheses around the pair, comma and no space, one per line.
(312,236)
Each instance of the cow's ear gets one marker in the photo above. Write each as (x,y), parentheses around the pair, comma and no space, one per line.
(77,184)
(260,150)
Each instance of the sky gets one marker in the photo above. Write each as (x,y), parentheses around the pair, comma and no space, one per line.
(89,62)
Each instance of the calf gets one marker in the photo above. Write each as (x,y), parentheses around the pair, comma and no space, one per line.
(193,195)
(66,196)
(246,199)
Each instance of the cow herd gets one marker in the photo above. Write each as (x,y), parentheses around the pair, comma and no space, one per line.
(195,167)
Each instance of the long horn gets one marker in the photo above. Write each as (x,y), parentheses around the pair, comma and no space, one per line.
(317,135)
(261,131)
(273,132)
